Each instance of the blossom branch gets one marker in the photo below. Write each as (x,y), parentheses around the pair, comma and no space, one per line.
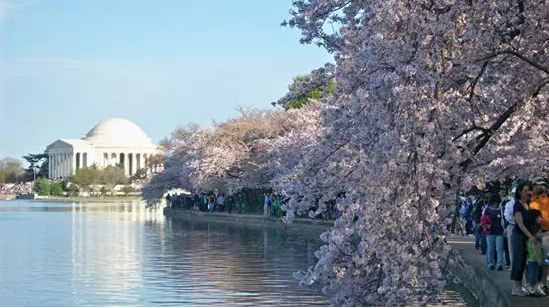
(518,55)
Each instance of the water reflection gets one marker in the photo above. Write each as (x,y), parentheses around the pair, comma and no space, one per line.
(240,265)
(120,254)
(105,255)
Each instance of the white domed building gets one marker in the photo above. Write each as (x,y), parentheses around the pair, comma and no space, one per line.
(112,142)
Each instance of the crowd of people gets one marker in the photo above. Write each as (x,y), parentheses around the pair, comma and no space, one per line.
(16,188)
(220,202)
(204,202)
(512,230)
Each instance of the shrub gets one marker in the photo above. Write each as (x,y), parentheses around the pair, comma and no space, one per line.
(42,187)
(56,188)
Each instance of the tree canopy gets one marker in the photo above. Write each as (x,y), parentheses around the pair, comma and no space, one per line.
(40,160)
(304,89)
(109,176)
(11,170)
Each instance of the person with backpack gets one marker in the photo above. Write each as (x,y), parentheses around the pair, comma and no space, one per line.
(491,224)
(480,238)
(464,207)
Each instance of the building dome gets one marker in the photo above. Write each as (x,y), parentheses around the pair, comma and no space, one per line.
(117,132)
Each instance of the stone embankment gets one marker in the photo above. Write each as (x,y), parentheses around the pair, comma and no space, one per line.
(491,288)
(251,220)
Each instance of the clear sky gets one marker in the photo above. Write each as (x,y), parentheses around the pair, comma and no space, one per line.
(67,64)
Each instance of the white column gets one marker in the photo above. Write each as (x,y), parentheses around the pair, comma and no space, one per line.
(139,163)
(67,165)
(144,162)
(126,164)
(54,165)
(73,162)
(49,166)
(59,165)
(134,163)
(63,164)
(129,163)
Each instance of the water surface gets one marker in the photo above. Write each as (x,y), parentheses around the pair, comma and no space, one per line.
(59,254)
(105,254)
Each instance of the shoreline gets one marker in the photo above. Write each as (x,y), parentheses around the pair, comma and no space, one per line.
(249,220)
(85,199)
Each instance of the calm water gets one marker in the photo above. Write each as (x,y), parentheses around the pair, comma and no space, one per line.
(58,254)
(63,254)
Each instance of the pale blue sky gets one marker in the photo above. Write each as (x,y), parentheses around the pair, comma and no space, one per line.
(67,64)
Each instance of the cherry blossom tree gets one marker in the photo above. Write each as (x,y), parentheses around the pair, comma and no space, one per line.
(230,158)
(432,96)
(182,147)
(249,151)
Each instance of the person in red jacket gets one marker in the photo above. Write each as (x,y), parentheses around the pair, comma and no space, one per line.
(490,221)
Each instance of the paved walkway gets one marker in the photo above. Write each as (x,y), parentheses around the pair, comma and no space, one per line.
(501,279)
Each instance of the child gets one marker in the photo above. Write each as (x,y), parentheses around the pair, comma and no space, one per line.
(535,251)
